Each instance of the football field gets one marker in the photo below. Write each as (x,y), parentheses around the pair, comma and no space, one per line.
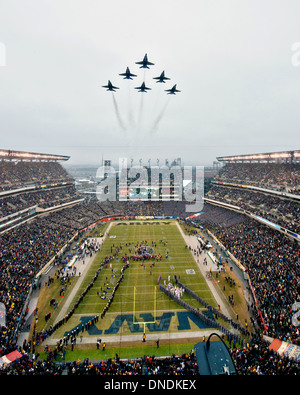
(138,304)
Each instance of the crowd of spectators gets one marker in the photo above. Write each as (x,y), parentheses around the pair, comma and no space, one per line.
(43,198)
(252,359)
(185,364)
(218,215)
(145,208)
(277,176)
(19,174)
(283,211)
(23,252)
(76,217)
(273,264)
(257,359)
(132,208)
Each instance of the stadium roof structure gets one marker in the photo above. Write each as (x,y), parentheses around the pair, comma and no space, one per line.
(22,155)
(279,157)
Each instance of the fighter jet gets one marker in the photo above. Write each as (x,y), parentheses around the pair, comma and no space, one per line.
(110,87)
(142,88)
(172,91)
(127,75)
(145,63)
(161,78)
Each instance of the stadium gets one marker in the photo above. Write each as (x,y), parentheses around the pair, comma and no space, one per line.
(144,286)
(149,191)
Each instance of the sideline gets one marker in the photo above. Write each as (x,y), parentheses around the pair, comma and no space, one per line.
(83,269)
(138,338)
(80,268)
(192,242)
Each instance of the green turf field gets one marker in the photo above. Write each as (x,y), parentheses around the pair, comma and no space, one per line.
(138,304)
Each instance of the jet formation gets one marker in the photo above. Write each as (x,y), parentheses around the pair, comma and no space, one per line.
(144,64)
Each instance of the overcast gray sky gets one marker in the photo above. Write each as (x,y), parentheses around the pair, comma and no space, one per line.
(231,59)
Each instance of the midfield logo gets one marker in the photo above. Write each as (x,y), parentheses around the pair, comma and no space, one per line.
(162,323)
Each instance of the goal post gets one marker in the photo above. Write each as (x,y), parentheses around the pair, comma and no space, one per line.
(154,309)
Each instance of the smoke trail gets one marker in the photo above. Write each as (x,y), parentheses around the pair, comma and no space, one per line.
(130,113)
(159,118)
(118,113)
(157,100)
(141,111)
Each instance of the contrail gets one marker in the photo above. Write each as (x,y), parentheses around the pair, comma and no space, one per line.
(130,114)
(141,107)
(141,111)
(118,113)
(156,101)
(158,119)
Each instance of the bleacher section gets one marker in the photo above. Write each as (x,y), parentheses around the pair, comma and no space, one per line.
(253,210)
